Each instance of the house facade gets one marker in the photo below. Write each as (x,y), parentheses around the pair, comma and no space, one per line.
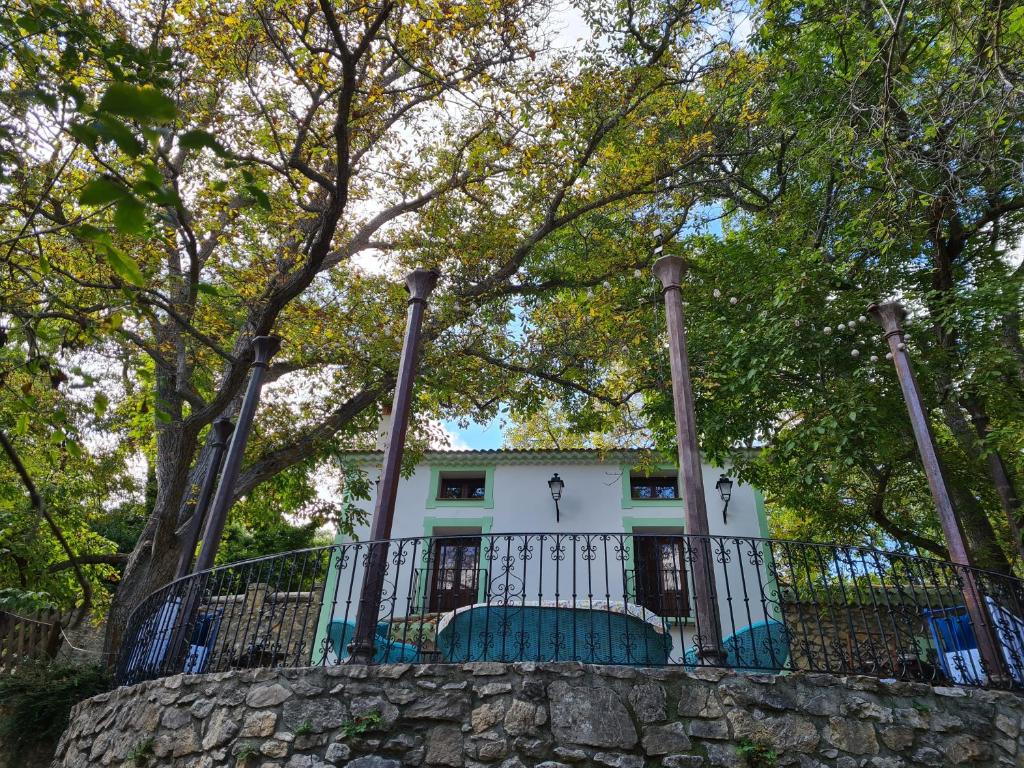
(481,528)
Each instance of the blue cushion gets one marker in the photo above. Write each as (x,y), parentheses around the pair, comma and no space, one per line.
(761,647)
(549,633)
(340,634)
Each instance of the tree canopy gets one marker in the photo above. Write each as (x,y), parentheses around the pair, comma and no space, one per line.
(183,177)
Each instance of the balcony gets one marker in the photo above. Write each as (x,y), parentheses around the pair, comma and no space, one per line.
(603,598)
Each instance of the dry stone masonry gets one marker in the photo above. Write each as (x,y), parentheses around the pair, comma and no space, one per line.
(526,715)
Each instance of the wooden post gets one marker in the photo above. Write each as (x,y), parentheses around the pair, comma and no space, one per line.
(890,316)
(420,283)
(264,348)
(669,270)
(221,431)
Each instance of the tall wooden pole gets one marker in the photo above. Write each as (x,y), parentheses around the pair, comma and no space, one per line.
(890,316)
(669,270)
(264,348)
(221,432)
(420,283)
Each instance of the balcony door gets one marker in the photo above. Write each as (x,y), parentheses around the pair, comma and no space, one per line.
(454,573)
(661,575)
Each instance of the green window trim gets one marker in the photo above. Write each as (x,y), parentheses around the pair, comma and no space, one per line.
(774,611)
(430,524)
(327,604)
(487,502)
(628,502)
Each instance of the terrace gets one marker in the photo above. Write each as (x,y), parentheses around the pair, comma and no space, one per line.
(780,607)
(641,598)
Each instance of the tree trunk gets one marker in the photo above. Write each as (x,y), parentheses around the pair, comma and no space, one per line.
(999,472)
(154,559)
(985,549)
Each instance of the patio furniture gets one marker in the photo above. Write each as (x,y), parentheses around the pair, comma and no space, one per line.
(149,643)
(760,647)
(204,635)
(340,634)
(957,646)
(598,632)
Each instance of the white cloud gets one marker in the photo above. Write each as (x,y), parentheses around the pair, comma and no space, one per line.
(440,434)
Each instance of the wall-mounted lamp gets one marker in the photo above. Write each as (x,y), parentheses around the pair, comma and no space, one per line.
(724,486)
(556,485)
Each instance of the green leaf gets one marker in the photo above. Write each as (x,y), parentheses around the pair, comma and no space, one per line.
(130,216)
(145,104)
(121,135)
(101,191)
(208,289)
(124,266)
(86,134)
(196,139)
(100,401)
(261,197)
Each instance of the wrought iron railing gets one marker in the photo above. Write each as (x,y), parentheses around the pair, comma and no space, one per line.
(608,598)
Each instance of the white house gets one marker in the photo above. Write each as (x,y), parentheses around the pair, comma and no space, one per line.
(480,528)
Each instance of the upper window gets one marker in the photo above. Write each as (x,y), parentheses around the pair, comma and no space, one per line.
(655,488)
(454,487)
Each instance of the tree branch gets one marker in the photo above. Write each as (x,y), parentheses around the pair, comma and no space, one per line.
(40,507)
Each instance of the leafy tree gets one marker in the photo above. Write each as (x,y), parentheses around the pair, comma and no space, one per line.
(866,152)
(234,172)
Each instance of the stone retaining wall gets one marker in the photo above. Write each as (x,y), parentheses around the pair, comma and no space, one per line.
(542,715)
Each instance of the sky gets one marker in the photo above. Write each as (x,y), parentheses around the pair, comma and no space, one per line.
(569,29)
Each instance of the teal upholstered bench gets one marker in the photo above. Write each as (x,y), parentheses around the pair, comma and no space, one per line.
(551,633)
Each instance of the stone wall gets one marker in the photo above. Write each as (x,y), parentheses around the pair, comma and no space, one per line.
(541,715)
(263,627)
(854,640)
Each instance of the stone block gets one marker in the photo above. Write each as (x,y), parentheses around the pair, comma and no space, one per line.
(665,739)
(267,695)
(788,732)
(443,705)
(708,729)
(591,716)
(312,715)
(619,760)
(487,715)
(854,736)
(492,689)
(966,749)
(259,724)
(648,702)
(172,718)
(531,747)
(683,761)
(699,700)
(373,761)
(897,737)
(337,753)
(444,746)
(520,718)
(364,706)
(274,748)
(485,668)
(740,691)
(570,755)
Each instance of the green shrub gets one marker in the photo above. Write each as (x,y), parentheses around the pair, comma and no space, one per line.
(37,699)
(756,755)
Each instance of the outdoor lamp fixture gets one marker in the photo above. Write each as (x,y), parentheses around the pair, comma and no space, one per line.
(556,485)
(724,486)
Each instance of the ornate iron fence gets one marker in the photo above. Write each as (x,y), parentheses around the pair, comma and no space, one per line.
(607,598)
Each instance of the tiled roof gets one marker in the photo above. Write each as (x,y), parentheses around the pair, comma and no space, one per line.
(524,455)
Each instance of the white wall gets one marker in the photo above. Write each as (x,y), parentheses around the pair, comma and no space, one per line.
(592,502)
